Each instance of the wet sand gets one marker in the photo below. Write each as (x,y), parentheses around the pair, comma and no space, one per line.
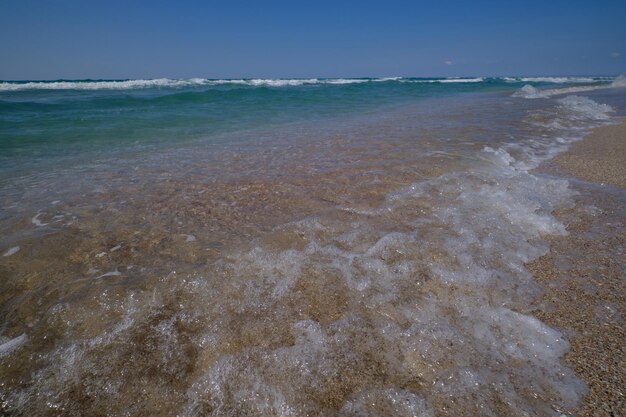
(582,275)
(600,157)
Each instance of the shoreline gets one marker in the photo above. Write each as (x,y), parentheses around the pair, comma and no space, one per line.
(581,276)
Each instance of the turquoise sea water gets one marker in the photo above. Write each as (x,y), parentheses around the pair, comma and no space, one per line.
(63,117)
(284,247)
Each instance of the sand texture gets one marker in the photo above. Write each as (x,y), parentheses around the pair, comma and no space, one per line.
(600,157)
(583,274)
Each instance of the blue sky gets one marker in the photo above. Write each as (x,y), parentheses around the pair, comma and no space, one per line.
(229,39)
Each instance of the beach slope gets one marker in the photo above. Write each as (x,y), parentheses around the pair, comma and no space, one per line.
(582,275)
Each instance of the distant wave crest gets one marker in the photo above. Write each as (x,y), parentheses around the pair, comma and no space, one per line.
(528,91)
(98,85)
(171,83)
(254,82)
(559,80)
(444,80)
(9,86)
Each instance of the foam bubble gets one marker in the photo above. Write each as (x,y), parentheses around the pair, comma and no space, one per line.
(9,346)
(585,108)
(35,220)
(531,92)
(528,91)
(11,251)
(110,274)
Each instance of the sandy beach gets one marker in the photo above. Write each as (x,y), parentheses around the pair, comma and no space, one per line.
(599,158)
(582,275)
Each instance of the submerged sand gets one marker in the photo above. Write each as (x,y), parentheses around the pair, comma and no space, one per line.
(583,275)
(140,298)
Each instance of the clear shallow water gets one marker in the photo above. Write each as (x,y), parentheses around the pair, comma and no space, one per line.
(49,119)
(283,247)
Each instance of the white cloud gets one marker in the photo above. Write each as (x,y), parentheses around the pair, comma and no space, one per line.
(616,54)
(448,62)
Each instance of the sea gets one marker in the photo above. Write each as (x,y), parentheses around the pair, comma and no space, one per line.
(285,247)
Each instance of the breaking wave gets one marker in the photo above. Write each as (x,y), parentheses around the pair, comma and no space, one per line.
(277,82)
(529,91)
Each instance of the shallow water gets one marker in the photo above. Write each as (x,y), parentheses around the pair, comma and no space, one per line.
(297,249)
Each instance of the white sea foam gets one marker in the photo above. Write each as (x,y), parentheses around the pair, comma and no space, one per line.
(531,92)
(387,79)
(528,91)
(558,80)
(445,80)
(35,220)
(563,80)
(100,85)
(376,402)
(171,83)
(261,82)
(567,122)
(340,81)
(619,81)
(11,251)
(461,80)
(275,82)
(501,224)
(585,108)
(192,82)
(574,90)
(279,83)
(495,223)
(115,273)
(9,346)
